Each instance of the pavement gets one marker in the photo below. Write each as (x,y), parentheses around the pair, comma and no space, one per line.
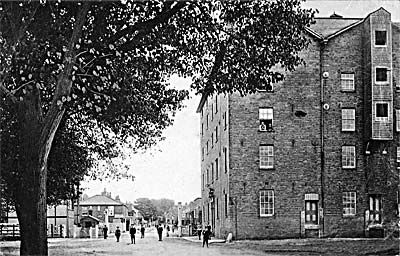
(195,239)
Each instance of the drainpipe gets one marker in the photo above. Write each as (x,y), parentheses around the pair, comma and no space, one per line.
(323,77)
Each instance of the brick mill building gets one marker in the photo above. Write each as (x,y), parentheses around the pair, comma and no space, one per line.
(317,154)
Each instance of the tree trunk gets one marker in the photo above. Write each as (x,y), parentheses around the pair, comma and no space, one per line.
(35,140)
(36,135)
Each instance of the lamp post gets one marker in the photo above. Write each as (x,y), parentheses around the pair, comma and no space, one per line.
(179,219)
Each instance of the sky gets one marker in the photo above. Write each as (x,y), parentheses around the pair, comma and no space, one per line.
(172,168)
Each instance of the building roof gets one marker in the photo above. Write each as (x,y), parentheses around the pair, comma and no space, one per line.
(90,217)
(99,200)
(326,27)
(323,29)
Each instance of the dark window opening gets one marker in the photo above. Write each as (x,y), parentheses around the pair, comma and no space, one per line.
(380,37)
(266,124)
(381,75)
(382,110)
(300,113)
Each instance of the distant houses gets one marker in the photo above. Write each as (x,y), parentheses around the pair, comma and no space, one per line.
(106,211)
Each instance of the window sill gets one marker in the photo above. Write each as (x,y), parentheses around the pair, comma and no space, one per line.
(266,215)
(349,215)
(344,90)
(348,168)
(348,131)
(266,168)
(271,130)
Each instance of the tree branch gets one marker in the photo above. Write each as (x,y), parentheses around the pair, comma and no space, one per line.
(64,84)
(144,27)
(209,88)
(7,94)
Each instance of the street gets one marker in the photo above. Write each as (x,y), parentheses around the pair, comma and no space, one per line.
(182,246)
(147,246)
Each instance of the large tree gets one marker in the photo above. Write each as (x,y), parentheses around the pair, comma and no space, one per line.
(146,208)
(163,205)
(104,66)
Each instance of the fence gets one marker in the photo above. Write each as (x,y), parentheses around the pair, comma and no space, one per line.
(9,231)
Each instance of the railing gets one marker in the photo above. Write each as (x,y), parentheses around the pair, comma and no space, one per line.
(9,231)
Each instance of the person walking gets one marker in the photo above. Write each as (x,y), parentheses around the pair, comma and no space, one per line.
(132,231)
(159,231)
(199,231)
(105,229)
(206,235)
(167,231)
(142,229)
(118,234)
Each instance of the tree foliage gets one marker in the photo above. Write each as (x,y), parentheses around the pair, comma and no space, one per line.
(146,208)
(100,69)
(163,205)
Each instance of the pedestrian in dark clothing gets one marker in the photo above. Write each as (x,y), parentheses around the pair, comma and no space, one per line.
(167,231)
(159,231)
(105,229)
(117,234)
(142,229)
(132,231)
(206,235)
(199,231)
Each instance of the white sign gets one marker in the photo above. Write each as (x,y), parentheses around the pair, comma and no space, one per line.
(110,210)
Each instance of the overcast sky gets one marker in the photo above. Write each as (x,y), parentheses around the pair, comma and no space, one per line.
(172,169)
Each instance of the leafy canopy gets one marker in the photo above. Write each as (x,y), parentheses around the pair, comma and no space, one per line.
(117,92)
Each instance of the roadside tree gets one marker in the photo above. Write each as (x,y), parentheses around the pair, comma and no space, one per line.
(104,67)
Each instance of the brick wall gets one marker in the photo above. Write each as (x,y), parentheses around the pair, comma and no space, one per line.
(297,147)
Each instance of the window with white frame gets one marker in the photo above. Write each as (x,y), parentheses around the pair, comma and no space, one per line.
(212,139)
(349,203)
(207,122)
(349,157)
(266,203)
(347,81)
(381,75)
(216,133)
(382,112)
(266,156)
(266,116)
(348,119)
(207,148)
(266,88)
(398,155)
(202,153)
(202,129)
(398,120)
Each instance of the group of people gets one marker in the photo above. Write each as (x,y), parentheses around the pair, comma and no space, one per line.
(160,229)
(206,233)
(132,232)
